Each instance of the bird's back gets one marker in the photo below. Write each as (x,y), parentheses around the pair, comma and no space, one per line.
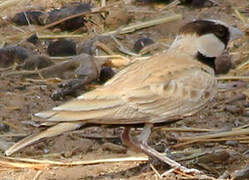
(176,86)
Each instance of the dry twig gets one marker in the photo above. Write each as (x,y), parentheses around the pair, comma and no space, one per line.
(13,162)
(141,25)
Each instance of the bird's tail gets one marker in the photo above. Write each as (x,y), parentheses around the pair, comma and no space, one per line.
(50,132)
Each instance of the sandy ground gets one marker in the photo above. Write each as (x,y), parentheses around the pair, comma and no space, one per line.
(20,99)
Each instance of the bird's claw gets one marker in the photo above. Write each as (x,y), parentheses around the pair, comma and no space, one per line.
(182,169)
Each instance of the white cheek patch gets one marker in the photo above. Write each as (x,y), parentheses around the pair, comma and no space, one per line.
(210,46)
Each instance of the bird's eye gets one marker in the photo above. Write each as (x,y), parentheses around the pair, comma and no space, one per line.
(220,32)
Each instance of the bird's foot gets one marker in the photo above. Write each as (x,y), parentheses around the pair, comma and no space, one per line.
(181,169)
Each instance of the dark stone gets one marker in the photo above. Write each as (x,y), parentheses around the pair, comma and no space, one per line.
(37,62)
(71,9)
(33,17)
(141,43)
(11,54)
(62,47)
(106,73)
(33,39)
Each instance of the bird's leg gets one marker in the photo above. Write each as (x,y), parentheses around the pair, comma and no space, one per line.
(128,141)
(141,145)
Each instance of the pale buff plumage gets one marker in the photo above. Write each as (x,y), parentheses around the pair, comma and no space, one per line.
(175,87)
(170,85)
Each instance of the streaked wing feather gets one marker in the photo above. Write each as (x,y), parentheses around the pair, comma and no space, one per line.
(177,97)
(178,88)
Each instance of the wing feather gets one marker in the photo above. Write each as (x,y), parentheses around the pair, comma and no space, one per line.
(180,96)
(181,87)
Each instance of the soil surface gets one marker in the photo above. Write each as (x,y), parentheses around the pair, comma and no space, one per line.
(21,97)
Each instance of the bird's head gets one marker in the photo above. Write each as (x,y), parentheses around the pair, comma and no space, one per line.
(205,39)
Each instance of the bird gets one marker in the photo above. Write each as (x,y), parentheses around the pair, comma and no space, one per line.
(170,85)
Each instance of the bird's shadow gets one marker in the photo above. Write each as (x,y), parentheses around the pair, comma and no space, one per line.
(134,171)
(131,172)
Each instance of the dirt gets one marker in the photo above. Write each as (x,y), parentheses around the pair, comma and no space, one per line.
(21,98)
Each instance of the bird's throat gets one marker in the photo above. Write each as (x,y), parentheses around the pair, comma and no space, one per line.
(210,61)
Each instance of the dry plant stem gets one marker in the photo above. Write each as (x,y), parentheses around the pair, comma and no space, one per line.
(18,28)
(122,48)
(192,156)
(2,44)
(22,165)
(241,127)
(239,52)
(246,78)
(218,135)
(103,4)
(13,135)
(47,80)
(113,57)
(141,25)
(104,48)
(6,69)
(52,36)
(59,58)
(155,171)
(185,143)
(170,5)
(240,16)
(23,72)
(242,67)
(185,129)
(37,175)
(240,139)
(27,162)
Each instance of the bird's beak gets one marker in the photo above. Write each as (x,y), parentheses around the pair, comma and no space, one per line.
(235,33)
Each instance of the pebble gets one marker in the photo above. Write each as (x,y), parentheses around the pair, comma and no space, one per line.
(141,43)
(62,47)
(106,73)
(33,18)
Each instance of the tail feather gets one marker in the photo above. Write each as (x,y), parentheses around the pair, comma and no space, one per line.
(50,132)
(45,114)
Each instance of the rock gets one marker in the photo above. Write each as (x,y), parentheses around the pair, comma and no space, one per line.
(13,54)
(33,39)
(37,62)
(62,47)
(141,43)
(106,73)
(33,18)
(69,10)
